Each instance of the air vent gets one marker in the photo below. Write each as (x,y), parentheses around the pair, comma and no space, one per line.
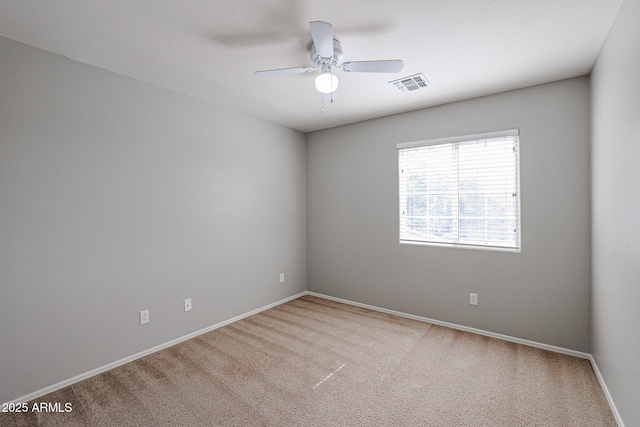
(411,83)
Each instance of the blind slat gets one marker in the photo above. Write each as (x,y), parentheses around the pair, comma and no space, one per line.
(464,192)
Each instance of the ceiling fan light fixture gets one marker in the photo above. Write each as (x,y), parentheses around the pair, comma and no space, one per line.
(325,53)
(326,82)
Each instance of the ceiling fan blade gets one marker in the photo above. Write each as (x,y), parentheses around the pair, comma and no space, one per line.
(283,71)
(322,34)
(392,66)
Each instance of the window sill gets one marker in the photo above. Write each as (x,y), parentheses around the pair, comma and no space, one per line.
(459,246)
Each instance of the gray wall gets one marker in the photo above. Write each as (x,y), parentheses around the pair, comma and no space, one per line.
(118,196)
(541,294)
(615,86)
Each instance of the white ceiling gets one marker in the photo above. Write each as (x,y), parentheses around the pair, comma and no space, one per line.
(209,49)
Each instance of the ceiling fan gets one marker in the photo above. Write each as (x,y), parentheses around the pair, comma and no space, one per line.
(326,54)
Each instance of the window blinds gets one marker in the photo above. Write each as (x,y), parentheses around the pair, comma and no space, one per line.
(462,191)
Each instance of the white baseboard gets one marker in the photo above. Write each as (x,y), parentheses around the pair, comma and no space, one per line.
(78,378)
(460,327)
(605,389)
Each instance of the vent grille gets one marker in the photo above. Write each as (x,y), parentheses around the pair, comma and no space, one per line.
(411,83)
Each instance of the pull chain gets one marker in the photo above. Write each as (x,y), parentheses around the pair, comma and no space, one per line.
(332,89)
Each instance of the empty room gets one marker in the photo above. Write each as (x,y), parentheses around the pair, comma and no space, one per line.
(297,213)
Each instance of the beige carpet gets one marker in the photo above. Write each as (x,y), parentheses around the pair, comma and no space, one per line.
(313,362)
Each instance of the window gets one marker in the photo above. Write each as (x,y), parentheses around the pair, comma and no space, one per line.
(462,191)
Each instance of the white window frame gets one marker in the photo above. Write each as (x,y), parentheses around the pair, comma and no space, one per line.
(456,140)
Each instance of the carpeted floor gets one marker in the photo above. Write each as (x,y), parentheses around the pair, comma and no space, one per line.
(314,362)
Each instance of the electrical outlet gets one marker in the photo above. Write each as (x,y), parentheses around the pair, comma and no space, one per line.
(144,317)
(473,299)
(281,277)
(187,304)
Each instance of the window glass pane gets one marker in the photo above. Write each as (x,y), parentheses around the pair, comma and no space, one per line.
(462,192)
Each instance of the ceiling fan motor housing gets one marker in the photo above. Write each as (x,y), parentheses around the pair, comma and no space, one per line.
(333,61)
